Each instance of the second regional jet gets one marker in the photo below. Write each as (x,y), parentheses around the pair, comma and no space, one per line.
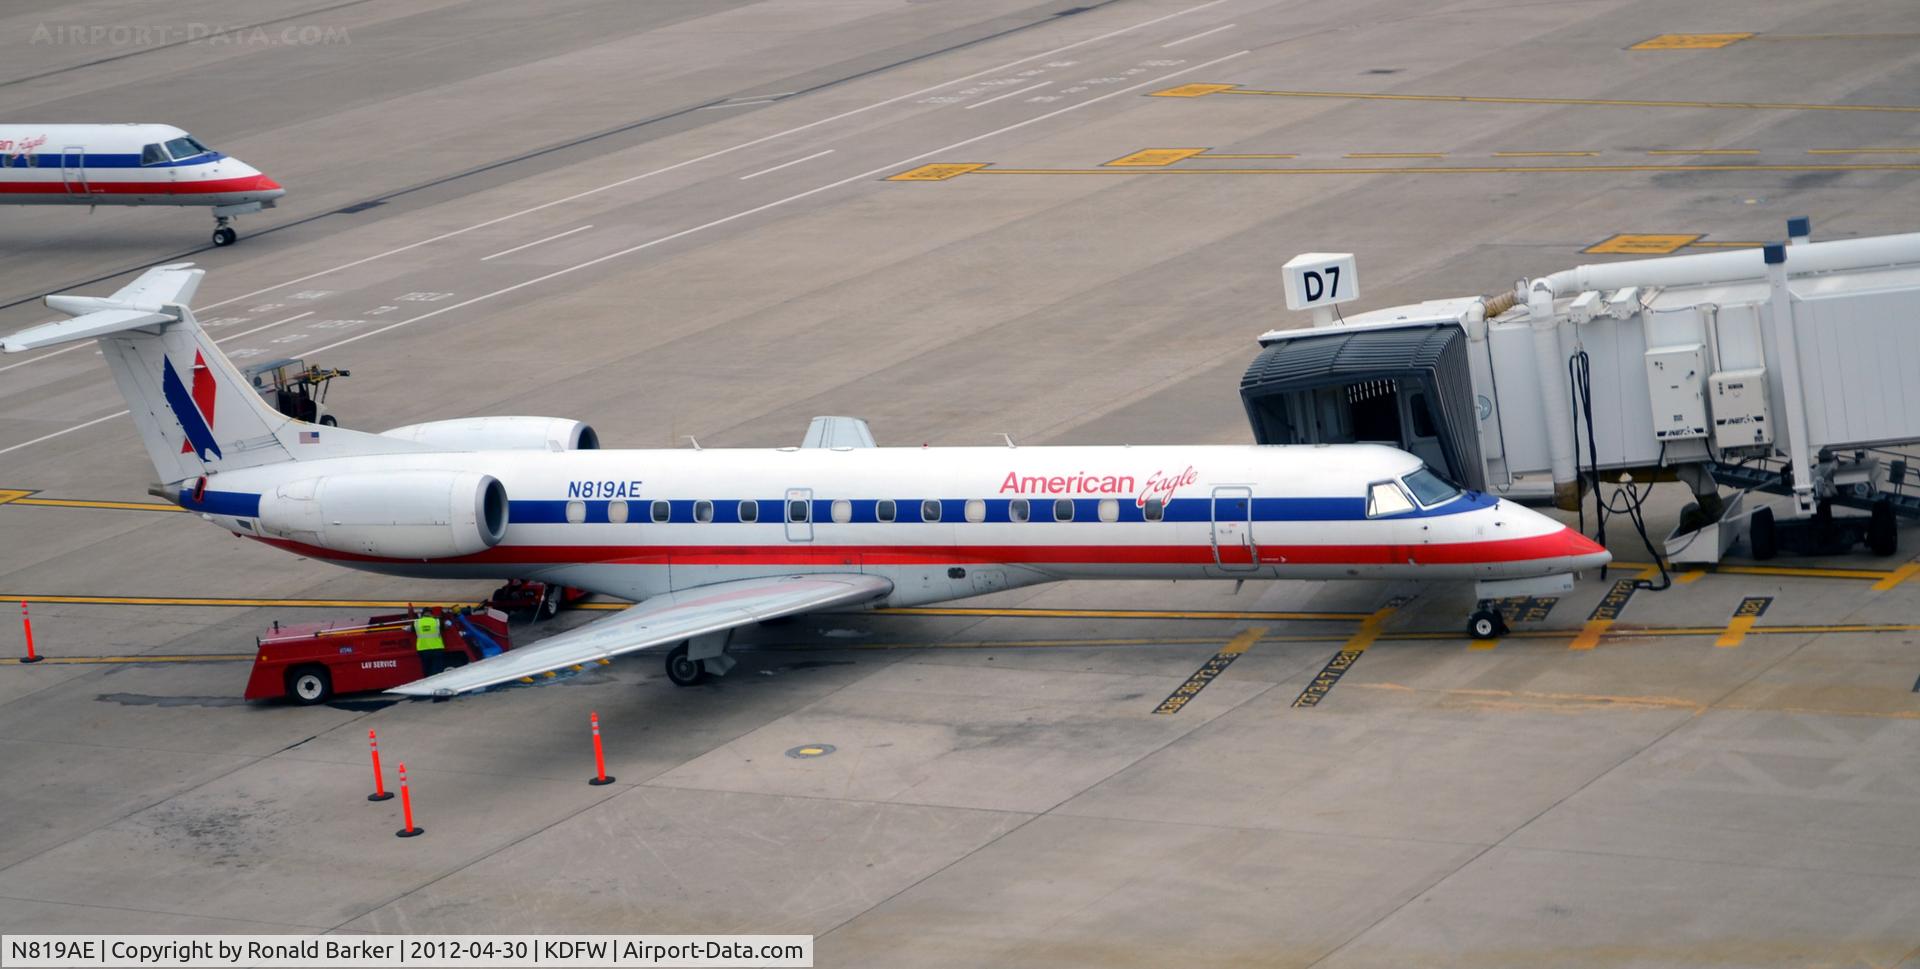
(711,540)
(128,164)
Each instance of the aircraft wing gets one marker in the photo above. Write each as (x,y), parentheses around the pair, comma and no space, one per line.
(661,621)
(838,432)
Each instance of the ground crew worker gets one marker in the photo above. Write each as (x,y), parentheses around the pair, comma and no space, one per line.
(426,639)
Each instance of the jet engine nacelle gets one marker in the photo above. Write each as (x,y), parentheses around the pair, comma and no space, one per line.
(390,514)
(501,434)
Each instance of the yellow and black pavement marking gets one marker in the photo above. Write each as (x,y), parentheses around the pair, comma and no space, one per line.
(1193,90)
(937,172)
(1208,671)
(1603,616)
(16,496)
(1744,616)
(1155,157)
(1342,661)
(1204,90)
(1643,243)
(1691,41)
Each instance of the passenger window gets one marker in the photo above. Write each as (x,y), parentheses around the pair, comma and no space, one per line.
(617,512)
(749,511)
(152,155)
(930,510)
(1017,510)
(883,509)
(703,511)
(1154,510)
(842,510)
(662,512)
(576,512)
(1386,498)
(976,510)
(1109,510)
(1063,510)
(797,509)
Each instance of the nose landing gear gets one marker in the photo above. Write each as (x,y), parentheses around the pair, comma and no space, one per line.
(1486,622)
(223,232)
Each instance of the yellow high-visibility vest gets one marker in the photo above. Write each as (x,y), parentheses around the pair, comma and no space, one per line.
(426,634)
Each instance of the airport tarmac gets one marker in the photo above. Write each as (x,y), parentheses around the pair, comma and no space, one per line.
(718,219)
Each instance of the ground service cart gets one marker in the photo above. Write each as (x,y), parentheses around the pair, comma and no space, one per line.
(313,662)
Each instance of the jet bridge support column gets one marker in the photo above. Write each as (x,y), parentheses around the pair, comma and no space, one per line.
(1786,351)
(1553,393)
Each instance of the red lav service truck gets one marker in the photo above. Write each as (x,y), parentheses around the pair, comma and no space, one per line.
(312,662)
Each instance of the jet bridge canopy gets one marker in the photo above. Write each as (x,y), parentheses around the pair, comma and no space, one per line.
(1408,386)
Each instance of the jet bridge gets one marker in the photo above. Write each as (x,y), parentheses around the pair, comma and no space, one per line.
(1793,369)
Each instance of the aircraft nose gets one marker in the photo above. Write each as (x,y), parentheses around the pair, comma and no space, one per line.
(1584,551)
(268,187)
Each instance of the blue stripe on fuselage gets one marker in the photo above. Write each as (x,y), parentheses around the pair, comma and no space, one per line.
(59,159)
(533,511)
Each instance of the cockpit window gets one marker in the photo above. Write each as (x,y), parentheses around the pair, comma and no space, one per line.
(1430,489)
(186,147)
(152,155)
(1386,498)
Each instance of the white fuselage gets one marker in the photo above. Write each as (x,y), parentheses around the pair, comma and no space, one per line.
(964,521)
(122,164)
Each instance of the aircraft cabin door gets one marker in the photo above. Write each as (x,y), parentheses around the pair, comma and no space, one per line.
(73,171)
(1233,548)
(799,514)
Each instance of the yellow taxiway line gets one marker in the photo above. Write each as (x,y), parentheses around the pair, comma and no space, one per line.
(1112,613)
(1459,169)
(1572,102)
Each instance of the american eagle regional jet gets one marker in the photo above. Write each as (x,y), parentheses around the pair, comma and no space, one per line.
(707,541)
(129,164)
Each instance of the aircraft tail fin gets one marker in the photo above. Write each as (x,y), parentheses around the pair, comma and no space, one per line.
(196,412)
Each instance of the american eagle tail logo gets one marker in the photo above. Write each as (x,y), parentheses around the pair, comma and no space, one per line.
(195,411)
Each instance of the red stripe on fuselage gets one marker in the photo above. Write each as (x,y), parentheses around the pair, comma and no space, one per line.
(212,186)
(1550,545)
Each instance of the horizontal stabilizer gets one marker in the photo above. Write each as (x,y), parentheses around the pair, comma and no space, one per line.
(85,327)
(838,432)
(661,621)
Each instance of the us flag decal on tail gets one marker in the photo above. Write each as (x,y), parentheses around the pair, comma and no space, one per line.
(309,437)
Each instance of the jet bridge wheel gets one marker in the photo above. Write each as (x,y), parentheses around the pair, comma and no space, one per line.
(1485,623)
(682,670)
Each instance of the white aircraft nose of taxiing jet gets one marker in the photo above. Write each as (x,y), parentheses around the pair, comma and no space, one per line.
(255,182)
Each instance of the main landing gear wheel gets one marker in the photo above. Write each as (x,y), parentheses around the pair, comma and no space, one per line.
(1485,623)
(225,236)
(549,606)
(682,670)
